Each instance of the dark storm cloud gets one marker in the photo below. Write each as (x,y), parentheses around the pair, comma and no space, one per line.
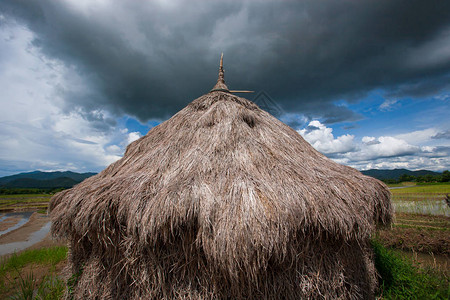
(150,60)
(423,87)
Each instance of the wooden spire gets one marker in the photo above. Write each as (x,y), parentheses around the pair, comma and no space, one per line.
(220,85)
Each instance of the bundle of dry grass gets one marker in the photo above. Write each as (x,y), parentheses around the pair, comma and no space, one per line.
(222,201)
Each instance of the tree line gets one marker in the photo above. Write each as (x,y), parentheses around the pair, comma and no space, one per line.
(21,191)
(444,177)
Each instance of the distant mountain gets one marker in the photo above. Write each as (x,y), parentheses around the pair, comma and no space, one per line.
(61,182)
(396,173)
(44,180)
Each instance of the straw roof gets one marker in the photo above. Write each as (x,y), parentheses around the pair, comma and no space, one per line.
(222,201)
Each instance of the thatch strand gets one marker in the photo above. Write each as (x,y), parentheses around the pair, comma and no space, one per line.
(222,201)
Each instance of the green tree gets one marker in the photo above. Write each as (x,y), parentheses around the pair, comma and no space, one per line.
(406,177)
(446,176)
(429,178)
(420,178)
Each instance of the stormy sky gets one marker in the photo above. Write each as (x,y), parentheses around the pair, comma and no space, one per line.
(365,82)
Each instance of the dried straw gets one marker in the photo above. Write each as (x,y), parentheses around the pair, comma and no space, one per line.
(222,201)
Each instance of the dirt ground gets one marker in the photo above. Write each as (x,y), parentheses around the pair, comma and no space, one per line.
(417,240)
(424,238)
(419,233)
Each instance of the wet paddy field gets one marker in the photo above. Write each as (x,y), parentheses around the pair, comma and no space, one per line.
(23,231)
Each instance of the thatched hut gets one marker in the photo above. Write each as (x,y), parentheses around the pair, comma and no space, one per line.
(222,201)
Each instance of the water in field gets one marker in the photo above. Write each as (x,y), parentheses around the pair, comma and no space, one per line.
(35,237)
(24,230)
(24,217)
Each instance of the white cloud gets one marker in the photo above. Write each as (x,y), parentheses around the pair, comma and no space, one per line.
(419,136)
(321,138)
(384,146)
(409,150)
(388,104)
(133,136)
(35,132)
(404,162)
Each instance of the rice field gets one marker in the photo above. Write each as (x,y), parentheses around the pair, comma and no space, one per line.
(24,202)
(421,228)
(425,200)
(425,207)
(443,188)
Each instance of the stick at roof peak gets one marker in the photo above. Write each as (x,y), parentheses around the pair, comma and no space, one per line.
(220,85)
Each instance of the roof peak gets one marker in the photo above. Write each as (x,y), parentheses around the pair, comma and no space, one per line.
(220,85)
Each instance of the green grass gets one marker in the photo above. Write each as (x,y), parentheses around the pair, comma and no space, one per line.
(48,256)
(400,279)
(49,288)
(425,189)
(12,278)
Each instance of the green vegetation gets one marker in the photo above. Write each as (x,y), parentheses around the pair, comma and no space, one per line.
(444,177)
(44,256)
(400,279)
(18,280)
(21,191)
(50,288)
(424,189)
(422,199)
(28,201)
